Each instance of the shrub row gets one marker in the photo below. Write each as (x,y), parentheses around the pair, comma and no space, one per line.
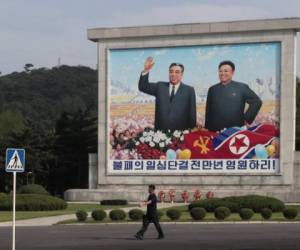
(236,203)
(115,214)
(197,213)
(32,202)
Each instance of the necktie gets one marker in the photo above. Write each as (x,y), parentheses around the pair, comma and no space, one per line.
(172,93)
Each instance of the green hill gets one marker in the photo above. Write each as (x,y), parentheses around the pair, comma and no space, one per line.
(42,95)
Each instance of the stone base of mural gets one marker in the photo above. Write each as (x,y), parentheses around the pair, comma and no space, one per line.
(139,193)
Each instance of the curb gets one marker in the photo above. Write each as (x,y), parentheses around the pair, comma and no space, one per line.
(187,223)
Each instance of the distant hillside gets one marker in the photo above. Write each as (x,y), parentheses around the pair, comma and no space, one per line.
(41,95)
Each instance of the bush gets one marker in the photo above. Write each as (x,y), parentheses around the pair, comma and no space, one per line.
(33,189)
(117,214)
(113,202)
(3,196)
(99,214)
(266,213)
(290,213)
(81,215)
(235,203)
(174,213)
(211,204)
(33,202)
(198,213)
(222,213)
(136,214)
(246,213)
(160,213)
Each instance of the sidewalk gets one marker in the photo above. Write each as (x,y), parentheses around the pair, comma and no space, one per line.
(52,220)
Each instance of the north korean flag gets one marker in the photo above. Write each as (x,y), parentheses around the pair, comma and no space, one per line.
(265,129)
(234,143)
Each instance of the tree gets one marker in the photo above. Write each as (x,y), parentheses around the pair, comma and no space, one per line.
(76,137)
(28,67)
(10,123)
(38,146)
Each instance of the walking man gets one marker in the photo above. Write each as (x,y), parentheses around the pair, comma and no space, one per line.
(151,215)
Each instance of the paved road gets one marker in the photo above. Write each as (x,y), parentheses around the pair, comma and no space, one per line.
(178,236)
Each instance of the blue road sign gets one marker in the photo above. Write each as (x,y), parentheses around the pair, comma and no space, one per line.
(15,160)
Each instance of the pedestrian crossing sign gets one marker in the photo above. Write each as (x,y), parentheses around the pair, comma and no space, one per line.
(15,160)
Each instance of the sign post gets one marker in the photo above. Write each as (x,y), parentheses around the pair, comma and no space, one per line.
(15,162)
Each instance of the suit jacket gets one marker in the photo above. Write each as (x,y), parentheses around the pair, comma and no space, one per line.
(180,114)
(225,106)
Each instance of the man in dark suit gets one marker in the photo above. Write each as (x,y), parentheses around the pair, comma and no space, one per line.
(151,215)
(175,102)
(225,104)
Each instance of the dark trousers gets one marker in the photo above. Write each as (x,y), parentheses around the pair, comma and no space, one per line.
(146,221)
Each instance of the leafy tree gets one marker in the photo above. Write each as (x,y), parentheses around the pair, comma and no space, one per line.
(76,137)
(31,103)
(39,154)
(28,67)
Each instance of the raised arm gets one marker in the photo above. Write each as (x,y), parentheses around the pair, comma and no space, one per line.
(144,84)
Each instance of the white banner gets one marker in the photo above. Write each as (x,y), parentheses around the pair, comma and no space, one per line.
(219,166)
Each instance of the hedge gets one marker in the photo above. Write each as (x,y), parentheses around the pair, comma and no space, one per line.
(99,214)
(222,213)
(246,213)
(173,213)
(81,215)
(3,196)
(117,214)
(33,189)
(136,214)
(290,213)
(113,202)
(266,213)
(33,202)
(198,213)
(235,203)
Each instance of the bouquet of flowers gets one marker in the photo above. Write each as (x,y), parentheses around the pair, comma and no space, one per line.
(152,144)
(197,195)
(209,195)
(161,196)
(185,196)
(172,195)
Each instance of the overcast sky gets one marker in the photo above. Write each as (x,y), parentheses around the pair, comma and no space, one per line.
(40,32)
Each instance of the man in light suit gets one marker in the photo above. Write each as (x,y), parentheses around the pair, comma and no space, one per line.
(175,102)
(226,101)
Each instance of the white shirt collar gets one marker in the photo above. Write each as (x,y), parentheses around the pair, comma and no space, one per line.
(176,88)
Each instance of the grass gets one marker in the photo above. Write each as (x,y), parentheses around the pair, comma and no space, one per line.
(185,217)
(71,209)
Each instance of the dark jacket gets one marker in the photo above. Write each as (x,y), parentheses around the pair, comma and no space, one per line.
(180,114)
(225,106)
